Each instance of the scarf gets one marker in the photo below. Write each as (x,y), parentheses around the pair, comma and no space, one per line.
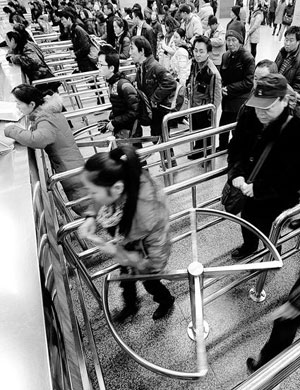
(110,216)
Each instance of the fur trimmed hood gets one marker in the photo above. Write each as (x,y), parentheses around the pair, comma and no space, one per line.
(53,105)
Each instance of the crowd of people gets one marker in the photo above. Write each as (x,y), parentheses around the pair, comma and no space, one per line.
(172,45)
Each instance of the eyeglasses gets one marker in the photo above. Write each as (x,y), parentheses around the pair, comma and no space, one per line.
(99,65)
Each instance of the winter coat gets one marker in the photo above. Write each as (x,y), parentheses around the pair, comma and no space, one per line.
(204,13)
(180,65)
(277,183)
(122,46)
(254,29)
(273,6)
(237,72)
(148,33)
(218,43)
(206,84)
(292,72)
(125,103)
(279,12)
(165,55)
(110,36)
(155,81)
(81,45)
(33,65)
(149,232)
(192,28)
(50,130)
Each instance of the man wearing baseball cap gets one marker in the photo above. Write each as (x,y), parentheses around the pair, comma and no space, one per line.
(276,186)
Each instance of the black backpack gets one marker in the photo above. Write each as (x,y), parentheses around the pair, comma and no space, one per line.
(145,109)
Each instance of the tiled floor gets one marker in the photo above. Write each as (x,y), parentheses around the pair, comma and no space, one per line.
(238,326)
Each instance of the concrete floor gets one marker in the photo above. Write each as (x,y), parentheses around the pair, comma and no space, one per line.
(238,326)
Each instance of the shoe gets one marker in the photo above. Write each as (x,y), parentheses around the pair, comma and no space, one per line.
(163,309)
(126,312)
(252,365)
(294,224)
(242,252)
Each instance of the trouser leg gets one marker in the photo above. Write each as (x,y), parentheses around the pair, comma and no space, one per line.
(282,336)
(253,49)
(129,290)
(159,291)
(226,118)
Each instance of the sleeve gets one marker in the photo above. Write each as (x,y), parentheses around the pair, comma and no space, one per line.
(215,89)
(125,49)
(256,24)
(28,59)
(166,86)
(183,66)
(246,84)
(41,137)
(218,40)
(83,42)
(198,30)
(131,98)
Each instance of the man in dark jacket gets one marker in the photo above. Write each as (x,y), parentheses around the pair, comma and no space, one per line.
(80,40)
(287,321)
(109,36)
(122,95)
(237,70)
(275,187)
(154,80)
(141,28)
(288,61)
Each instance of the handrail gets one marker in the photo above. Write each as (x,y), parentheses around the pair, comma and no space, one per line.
(275,371)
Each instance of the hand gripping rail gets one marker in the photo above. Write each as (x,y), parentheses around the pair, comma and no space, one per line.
(195,273)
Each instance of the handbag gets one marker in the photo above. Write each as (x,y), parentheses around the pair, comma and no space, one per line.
(232,198)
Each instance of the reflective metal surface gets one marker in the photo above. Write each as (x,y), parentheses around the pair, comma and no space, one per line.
(24,361)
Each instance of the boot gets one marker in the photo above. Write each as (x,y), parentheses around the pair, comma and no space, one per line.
(163,309)
(127,311)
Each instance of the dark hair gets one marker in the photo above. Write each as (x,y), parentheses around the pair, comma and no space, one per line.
(111,56)
(27,93)
(109,6)
(20,40)
(21,29)
(128,11)
(122,23)
(67,15)
(181,32)
(184,8)
(205,40)
(137,13)
(212,20)
(171,23)
(271,65)
(293,30)
(105,169)
(236,10)
(136,6)
(142,43)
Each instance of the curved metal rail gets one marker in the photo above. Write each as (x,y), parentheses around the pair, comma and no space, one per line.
(195,273)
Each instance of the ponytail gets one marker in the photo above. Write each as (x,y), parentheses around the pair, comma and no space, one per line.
(122,163)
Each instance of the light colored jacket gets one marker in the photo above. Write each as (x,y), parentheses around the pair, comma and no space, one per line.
(165,55)
(279,12)
(180,65)
(192,28)
(206,76)
(149,233)
(254,30)
(50,130)
(218,44)
(204,13)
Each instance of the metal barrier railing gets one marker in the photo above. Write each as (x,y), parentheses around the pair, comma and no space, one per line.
(195,273)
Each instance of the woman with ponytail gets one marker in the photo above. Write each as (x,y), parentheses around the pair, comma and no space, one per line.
(131,209)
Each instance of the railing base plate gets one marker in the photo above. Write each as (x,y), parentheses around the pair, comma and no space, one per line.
(190,330)
(257,298)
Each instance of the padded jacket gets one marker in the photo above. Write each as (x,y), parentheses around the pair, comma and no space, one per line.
(50,130)
(148,238)
(148,33)
(125,102)
(155,81)
(237,72)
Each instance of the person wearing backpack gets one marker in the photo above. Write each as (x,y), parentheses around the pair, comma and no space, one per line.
(124,117)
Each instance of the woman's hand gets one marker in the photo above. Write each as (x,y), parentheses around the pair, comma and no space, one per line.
(247,190)
(107,247)
(88,228)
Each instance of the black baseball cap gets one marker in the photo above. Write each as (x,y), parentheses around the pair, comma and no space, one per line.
(269,88)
